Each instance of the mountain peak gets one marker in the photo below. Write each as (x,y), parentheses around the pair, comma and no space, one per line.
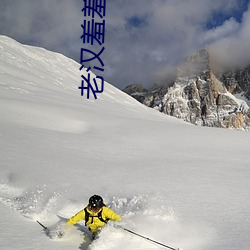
(197,64)
(200,96)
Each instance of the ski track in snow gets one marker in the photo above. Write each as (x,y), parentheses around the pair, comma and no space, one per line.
(145,214)
(42,116)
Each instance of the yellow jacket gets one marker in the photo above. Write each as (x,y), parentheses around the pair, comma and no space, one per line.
(94,223)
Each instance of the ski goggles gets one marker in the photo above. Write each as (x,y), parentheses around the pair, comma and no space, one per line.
(94,208)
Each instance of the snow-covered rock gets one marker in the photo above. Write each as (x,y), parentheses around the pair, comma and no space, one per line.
(199,97)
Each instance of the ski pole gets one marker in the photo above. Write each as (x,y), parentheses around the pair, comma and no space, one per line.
(45,228)
(146,238)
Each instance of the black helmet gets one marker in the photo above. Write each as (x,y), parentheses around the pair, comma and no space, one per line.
(96,202)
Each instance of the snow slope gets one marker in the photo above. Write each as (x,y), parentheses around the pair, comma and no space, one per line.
(176,183)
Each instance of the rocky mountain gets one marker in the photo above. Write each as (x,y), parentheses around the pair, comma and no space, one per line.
(200,96)
(237,81)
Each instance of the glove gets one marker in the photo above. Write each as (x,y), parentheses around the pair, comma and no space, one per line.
(62,229)
(60,234)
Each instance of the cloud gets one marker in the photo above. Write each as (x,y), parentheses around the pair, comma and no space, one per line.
(233,49)
(144,39)
(52,24)
(228,28)
(171,31)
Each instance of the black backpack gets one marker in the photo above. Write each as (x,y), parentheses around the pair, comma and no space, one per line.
(88,216)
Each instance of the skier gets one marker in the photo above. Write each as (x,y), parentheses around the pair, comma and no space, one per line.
(95,214)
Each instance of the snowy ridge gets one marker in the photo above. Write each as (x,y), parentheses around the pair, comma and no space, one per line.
(40,71)
(179,184)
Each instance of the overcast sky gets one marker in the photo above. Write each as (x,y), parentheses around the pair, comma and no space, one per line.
(144,39)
